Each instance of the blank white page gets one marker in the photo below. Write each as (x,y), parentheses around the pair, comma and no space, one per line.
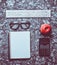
(19,45)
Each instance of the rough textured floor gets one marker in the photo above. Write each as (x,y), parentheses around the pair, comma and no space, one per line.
(34,29)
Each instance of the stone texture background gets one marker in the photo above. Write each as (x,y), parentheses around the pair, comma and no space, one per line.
(34,29)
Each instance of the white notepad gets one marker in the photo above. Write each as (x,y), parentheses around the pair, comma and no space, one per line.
(19,45)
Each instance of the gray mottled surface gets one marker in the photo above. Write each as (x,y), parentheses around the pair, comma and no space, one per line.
(34,29)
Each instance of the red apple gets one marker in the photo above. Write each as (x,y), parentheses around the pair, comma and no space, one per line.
(45,28)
